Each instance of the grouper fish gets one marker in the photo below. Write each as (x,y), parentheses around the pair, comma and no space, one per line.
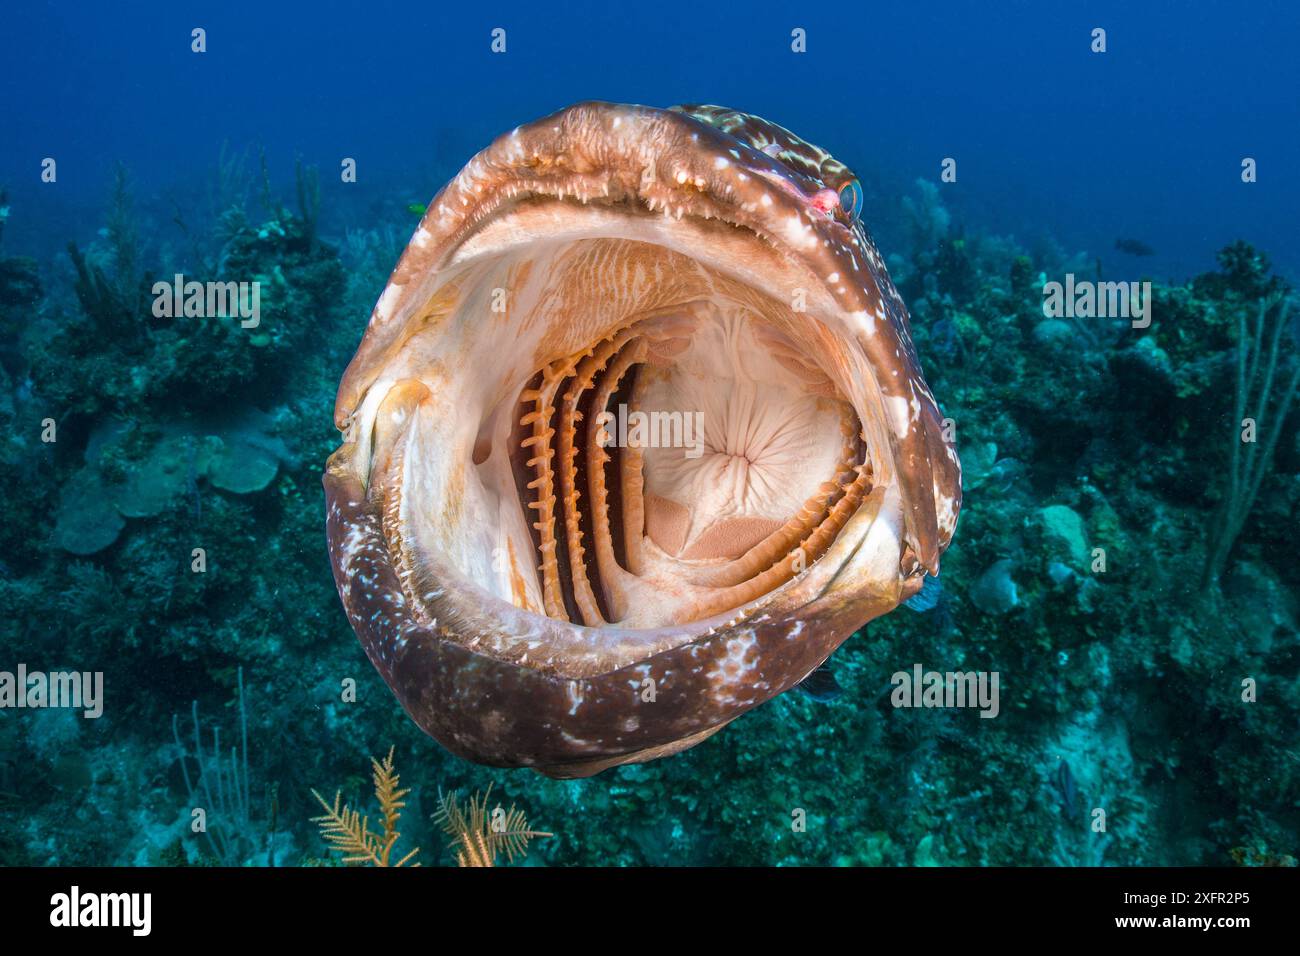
(636,436)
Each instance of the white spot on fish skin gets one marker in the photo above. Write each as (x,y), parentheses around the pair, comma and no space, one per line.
(766,200)
(945,513)
(384,307)
(721,163)
(799,233)
(579,743)
(833,277)
(734,666)
(863,320)
(681,177)
(896,409)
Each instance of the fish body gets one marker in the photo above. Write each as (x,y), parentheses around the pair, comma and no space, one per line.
(1134,247)
(821,685)
(635,438)
(926,599)
(1067,790)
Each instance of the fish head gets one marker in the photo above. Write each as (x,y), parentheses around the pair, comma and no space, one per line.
(635,437)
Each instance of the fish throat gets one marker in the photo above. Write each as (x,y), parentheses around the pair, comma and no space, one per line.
(685,464)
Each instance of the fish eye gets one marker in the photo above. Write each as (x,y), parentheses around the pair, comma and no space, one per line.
(851,200)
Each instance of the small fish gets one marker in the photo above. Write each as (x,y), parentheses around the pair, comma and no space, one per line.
(1134,247)
(821,685)
(927,598)
(1006,472)
(1067,790)
(416,208)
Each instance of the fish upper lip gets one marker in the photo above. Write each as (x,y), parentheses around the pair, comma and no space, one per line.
(568,156)
(656,165)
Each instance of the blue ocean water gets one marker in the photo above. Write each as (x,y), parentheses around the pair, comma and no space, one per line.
(1144,141)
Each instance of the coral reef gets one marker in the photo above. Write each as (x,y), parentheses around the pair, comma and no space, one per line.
(170,536)
(130,475)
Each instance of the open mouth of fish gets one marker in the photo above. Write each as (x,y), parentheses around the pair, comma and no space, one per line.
(635,438)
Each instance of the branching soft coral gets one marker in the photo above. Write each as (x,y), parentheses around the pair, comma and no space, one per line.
(1264,395)
(478,840)
(348,832)
(477,836)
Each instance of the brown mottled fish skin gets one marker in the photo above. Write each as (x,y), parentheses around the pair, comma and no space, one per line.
(500,684)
